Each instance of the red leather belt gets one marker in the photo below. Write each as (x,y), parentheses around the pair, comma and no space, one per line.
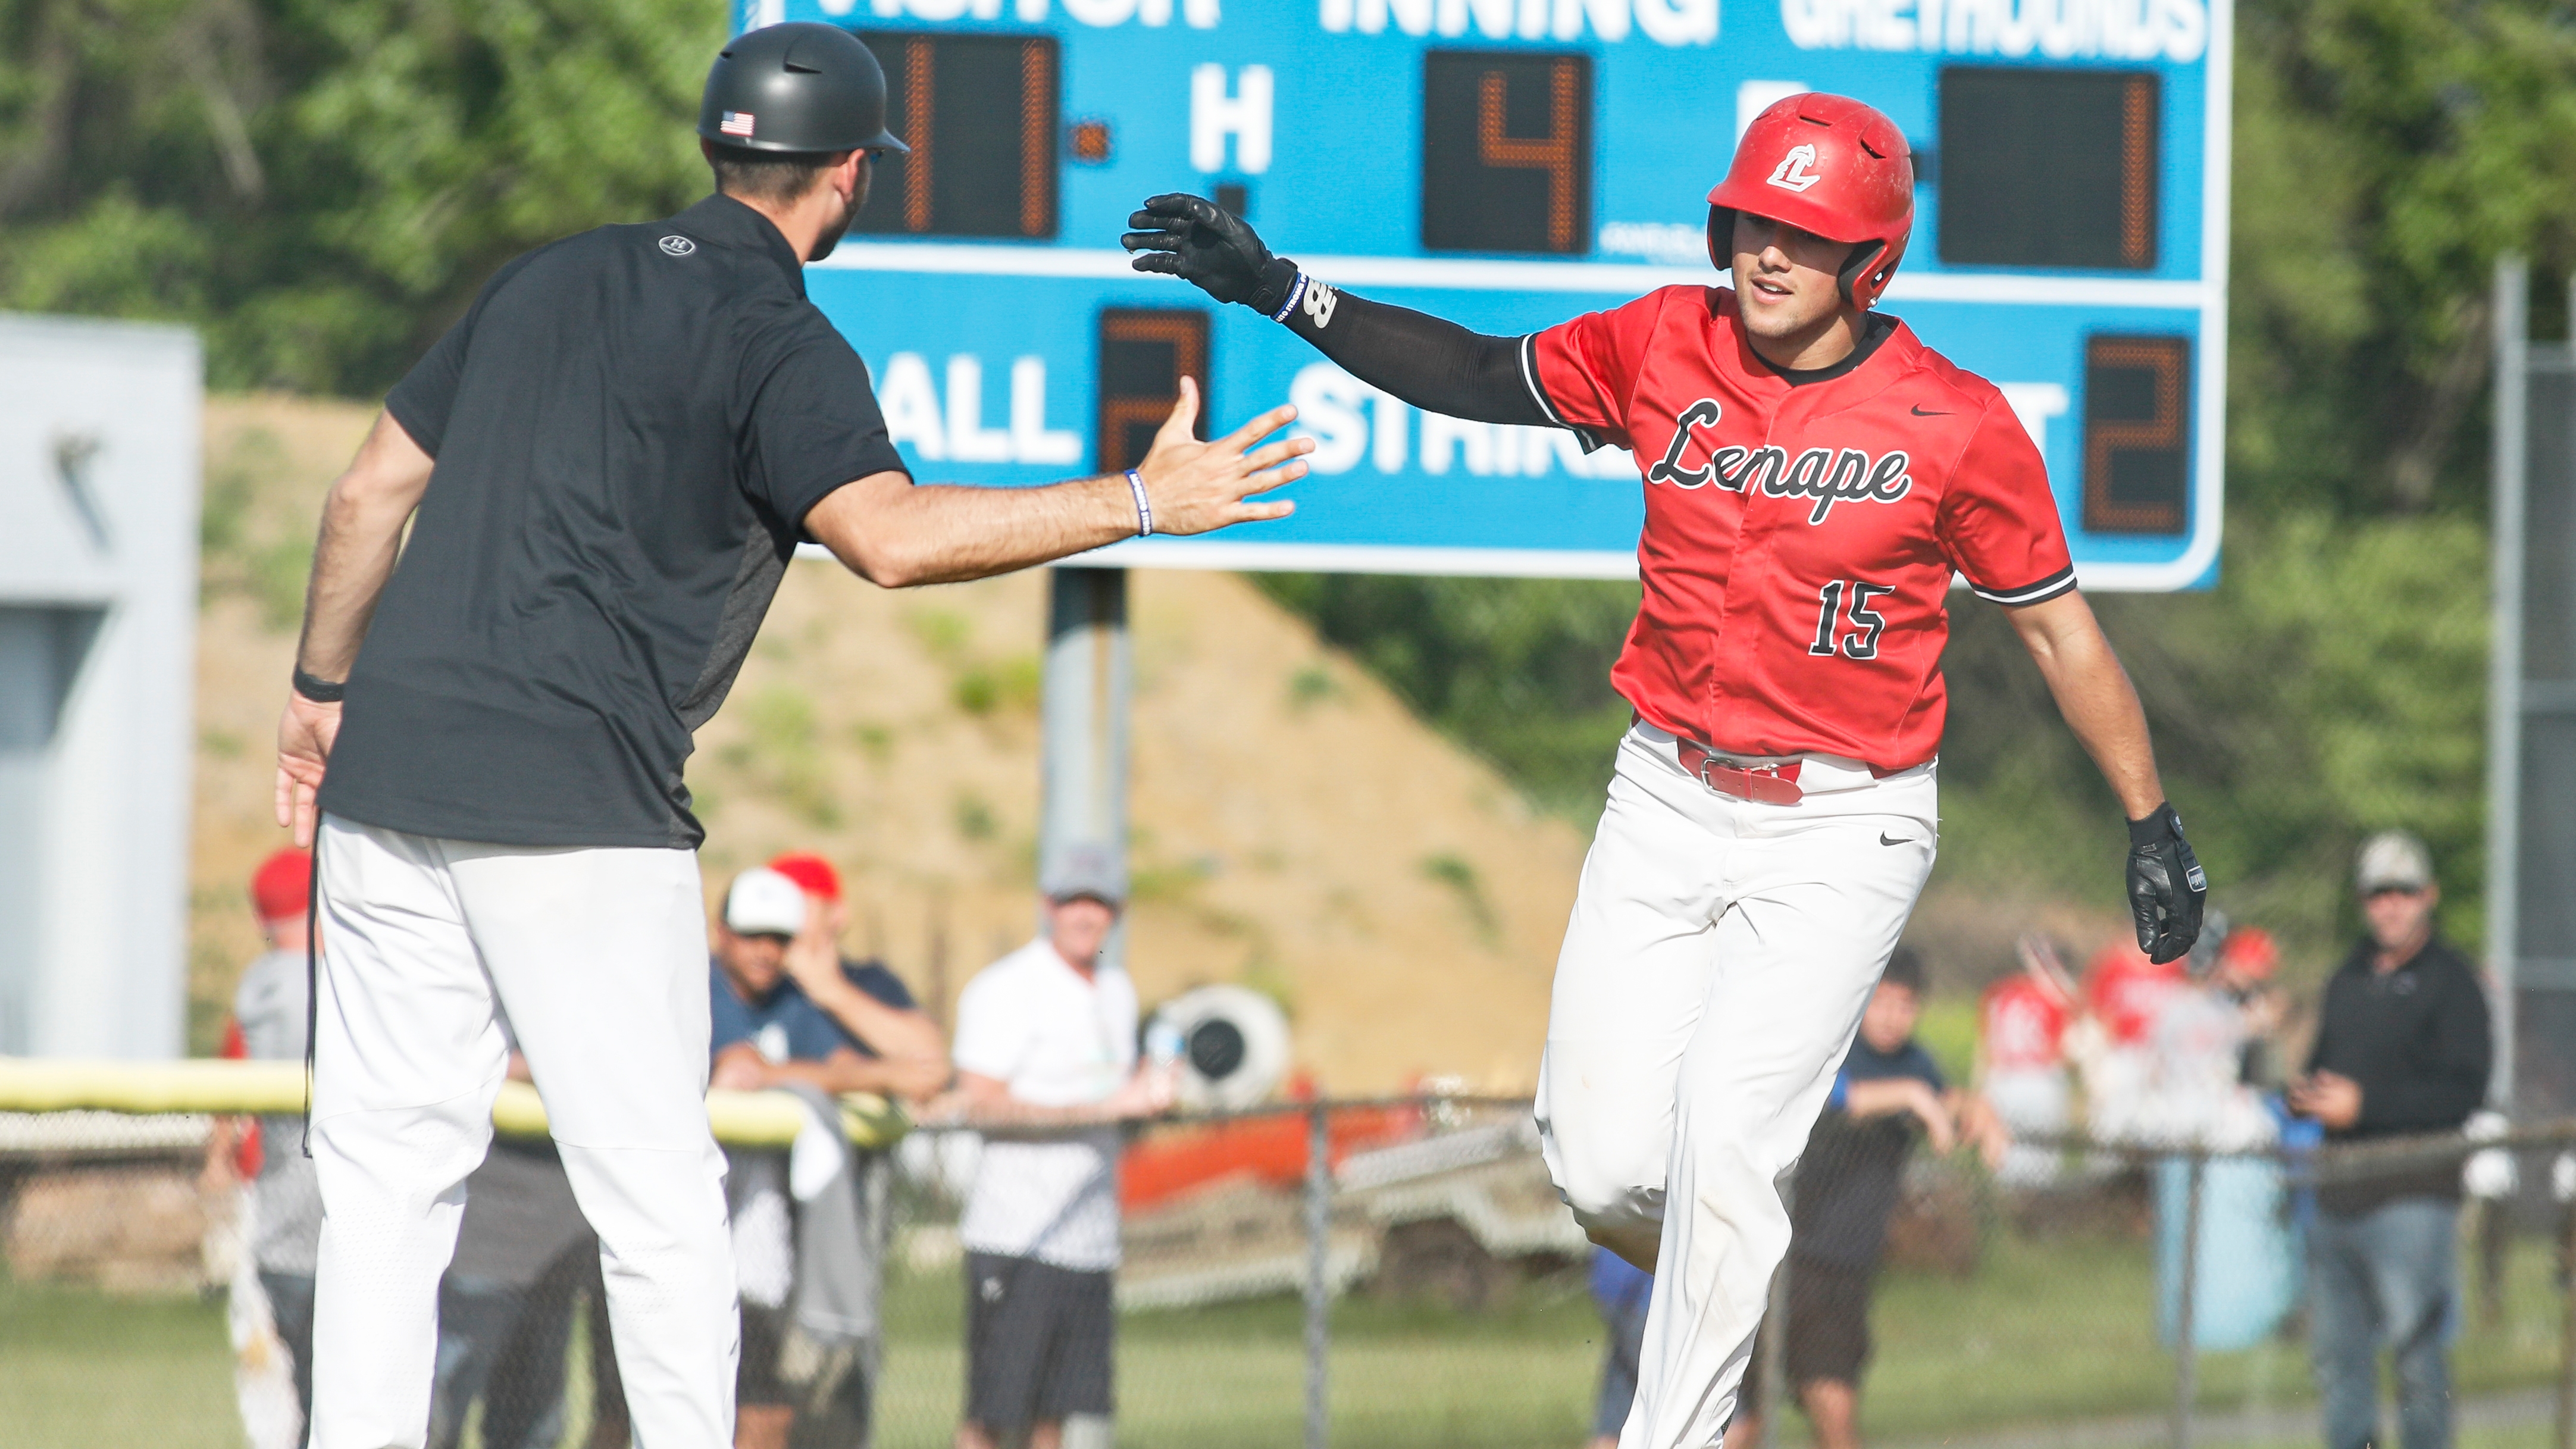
(1772,784)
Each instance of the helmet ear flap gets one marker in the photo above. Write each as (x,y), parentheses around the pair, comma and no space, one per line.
(1856,269)
(1721,237)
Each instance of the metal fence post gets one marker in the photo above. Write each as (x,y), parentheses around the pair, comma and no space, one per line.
(1319,1223)
(2186,1333)
(2566,1435)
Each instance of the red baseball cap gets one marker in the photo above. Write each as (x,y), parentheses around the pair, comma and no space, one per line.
(2251,951)
(282,887)
(812,873)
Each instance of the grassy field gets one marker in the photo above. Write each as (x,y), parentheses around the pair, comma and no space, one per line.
(84,1369)
(2044,1333)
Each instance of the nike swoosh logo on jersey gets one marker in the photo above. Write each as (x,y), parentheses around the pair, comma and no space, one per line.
(1884,840)
(1921,413)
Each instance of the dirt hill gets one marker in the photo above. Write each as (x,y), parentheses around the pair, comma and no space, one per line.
(1295,828)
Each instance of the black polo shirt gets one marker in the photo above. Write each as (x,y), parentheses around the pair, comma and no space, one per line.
(629,427)
(2418,1040)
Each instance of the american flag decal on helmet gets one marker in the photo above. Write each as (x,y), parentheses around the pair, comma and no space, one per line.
(736,123)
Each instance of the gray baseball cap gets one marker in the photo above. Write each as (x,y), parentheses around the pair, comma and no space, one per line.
(2392,860)
(1085,868)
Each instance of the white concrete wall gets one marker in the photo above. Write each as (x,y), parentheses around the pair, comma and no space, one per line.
(99,448)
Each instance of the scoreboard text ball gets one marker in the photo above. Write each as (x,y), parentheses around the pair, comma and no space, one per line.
(1509,164)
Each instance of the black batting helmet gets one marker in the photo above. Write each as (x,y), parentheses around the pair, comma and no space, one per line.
(798,87)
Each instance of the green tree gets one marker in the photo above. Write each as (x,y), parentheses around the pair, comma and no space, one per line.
(321,185)
(2386,151)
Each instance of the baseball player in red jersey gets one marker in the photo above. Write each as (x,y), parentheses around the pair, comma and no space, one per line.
(1814,477)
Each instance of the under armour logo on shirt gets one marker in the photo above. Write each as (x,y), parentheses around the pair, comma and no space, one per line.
(678,246)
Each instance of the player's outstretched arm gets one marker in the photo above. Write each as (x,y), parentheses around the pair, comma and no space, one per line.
(893,532)
(1433,364)
(2166,886)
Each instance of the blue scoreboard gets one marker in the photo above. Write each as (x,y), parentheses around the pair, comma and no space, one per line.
(1509,164)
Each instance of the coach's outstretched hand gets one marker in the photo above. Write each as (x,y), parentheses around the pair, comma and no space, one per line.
(1196,487)
(2166,886)
(1211,248)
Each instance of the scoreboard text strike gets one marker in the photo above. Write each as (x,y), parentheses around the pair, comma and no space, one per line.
(1510,164)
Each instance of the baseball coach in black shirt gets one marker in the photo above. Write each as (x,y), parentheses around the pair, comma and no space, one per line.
(2403,1049)
(605,467)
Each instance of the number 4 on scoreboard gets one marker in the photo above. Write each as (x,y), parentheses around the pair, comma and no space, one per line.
(1506,152)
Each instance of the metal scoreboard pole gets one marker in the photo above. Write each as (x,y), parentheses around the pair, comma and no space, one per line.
(1089,677)
(2531,723)
(2509,460)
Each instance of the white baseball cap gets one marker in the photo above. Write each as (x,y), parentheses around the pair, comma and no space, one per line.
(1085,868)
(763,902)
(2393,860)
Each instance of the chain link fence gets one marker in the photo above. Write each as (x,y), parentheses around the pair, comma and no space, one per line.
(1374,1275)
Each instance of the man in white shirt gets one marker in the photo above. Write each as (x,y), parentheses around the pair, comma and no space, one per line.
(1046,1060)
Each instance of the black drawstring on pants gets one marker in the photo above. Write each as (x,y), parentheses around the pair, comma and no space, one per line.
(312,972)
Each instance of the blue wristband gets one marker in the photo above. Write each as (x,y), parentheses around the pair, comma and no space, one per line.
(1296,293)
(1144,505)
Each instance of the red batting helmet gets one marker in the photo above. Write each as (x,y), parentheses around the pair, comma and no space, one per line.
(1827,165)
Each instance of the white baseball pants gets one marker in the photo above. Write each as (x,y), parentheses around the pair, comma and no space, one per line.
(1713,975)
(599,957)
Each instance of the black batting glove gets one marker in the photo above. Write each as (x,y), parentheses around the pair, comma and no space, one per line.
(2166,886)
(1211,248)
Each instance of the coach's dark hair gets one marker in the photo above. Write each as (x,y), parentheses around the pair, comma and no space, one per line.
(777,177)
(1904,968)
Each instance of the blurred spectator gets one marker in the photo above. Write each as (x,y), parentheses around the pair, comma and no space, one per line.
(1046,1039)
(1888,1093)
(869,1001)
(2247,959)
(767,1031)
(523,1252)
(285,1202)
(1622,1292)
(2112,1047)
(2402,1048)
(2209,1051)
(2021,1060)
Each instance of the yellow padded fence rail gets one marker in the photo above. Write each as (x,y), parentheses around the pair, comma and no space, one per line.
(740,1119)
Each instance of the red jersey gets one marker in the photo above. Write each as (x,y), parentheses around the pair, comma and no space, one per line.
(2126,990)
(1799,540)
(2023,1025)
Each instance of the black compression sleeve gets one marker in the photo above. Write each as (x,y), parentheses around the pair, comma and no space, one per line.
(1437,366)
